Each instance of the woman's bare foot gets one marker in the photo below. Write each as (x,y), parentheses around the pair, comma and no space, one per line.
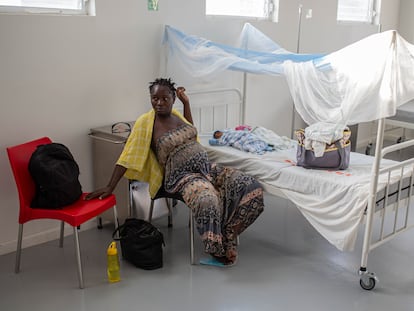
(231,256)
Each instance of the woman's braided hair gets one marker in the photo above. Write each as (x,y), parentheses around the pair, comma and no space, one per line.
(163,82)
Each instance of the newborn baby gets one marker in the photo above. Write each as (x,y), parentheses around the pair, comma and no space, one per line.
(242,140)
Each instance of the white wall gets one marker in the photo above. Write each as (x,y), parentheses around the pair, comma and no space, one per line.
(406,22)
(61,76)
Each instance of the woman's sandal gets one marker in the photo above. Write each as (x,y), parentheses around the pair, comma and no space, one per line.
(216,261)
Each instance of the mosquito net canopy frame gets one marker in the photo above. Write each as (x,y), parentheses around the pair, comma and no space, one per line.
(361,82)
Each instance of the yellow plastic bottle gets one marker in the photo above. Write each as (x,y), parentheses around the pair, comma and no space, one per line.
(113,268)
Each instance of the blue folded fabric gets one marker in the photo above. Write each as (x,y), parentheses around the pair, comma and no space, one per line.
(214,142)
(211,262)
(214,262)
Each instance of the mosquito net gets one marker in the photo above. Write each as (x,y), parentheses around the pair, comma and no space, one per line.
(362,82)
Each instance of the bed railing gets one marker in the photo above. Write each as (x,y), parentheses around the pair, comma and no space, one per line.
(216,109)
(397,180)
(398,197)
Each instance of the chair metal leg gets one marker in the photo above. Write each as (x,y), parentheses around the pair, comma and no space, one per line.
(99,221)
(169,206)
(151,210)
(131,209)
(19,249)
(62,233)
(116,221)
(78,256)
(192,257)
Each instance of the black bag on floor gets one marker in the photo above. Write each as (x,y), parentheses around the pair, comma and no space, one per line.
(56,176)
(141,243)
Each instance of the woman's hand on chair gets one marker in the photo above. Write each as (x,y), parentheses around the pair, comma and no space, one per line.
(99,193)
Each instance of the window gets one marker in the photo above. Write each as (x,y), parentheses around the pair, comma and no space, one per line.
(61,7)
(356,11)
(261,9)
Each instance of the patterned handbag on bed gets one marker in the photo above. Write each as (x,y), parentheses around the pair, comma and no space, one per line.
(335,157)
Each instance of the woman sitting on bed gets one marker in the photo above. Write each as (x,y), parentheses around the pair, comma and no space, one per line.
(163,148)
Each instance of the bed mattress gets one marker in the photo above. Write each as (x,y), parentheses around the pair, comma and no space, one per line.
(334,202)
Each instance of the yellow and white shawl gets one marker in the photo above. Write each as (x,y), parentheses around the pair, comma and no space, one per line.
(137,155)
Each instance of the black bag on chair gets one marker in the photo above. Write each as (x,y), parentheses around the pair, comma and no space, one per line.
(141,243)
(56,176)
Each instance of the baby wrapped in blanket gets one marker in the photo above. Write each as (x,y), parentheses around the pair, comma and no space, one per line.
(240,139)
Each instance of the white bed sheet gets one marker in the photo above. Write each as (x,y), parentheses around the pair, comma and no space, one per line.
(332,201)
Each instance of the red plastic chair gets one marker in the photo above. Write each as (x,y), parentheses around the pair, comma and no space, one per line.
(75,214)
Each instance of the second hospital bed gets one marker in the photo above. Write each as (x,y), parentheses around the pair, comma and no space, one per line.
(403,119)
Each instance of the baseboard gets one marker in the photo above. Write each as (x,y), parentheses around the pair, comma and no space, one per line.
(42,237)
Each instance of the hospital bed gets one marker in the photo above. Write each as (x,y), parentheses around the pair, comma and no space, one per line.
(343,87)
(374,191)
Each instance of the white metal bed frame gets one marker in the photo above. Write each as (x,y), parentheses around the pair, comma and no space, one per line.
(398,214)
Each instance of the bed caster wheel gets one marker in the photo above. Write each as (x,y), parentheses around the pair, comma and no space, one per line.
(368,281)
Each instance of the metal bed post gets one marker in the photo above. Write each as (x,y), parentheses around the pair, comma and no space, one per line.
(243,102)
(368,279)
(369,145)
(292,130)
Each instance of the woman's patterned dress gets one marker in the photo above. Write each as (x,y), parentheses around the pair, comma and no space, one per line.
(224,201)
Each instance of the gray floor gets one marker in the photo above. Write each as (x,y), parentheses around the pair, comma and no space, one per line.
(284,264)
